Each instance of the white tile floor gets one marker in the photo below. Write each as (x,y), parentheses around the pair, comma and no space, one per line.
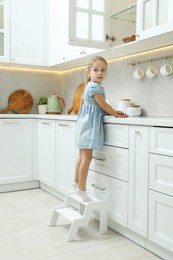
(25,235)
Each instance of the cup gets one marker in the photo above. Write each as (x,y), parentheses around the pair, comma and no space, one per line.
(138,73)
(166,69)
(151,72)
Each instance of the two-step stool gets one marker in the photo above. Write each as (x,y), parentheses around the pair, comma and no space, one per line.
(80,217)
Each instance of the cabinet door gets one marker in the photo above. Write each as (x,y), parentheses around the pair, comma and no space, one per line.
(46,152)
(116,135)
(161,173)
(4,31)
(154,17)
(113,191)
(161,140)
(65,155)
(89,23)
(16,150)
(112,161)
(27,31)
(160,219)
(138,179)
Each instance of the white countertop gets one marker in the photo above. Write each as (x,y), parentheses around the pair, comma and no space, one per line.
(145,121)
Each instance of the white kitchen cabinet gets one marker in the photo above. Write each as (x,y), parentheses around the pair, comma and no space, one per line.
(112,161)
(154,17)
(116,135)
(138,179)
(160,219)
(85,16)
(71,46)
(28,29)
(46,152)
(160,228)
(113,191)
(4,31)
(161,140)
(108,175)
(161,173)
(65,155)
(16,153)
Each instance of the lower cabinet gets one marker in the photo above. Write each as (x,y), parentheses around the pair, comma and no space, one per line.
(160,219)
(108,175)
(160,225)
(16,154)
(65,155)
(46,152)
(113,191)
(138,179)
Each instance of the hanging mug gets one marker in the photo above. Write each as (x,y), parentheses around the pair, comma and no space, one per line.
(151,72)
(138,73)
(166,69)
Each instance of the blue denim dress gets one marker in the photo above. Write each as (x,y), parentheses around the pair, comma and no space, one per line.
(89,127)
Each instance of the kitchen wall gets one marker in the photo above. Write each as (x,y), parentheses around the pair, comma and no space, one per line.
(154,95)
(37,83)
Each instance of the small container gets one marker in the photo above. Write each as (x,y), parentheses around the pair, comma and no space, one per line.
(133,111)
(123,104)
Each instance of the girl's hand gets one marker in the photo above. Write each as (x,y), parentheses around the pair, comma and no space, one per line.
(120,114)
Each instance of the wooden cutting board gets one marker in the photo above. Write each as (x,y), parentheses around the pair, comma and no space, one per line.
(77,99)
(20,101)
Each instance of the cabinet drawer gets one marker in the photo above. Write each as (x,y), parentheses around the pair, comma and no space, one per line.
(113,191)
(116,135)
(161,173)
(111,161)
(160,219)
(161,140)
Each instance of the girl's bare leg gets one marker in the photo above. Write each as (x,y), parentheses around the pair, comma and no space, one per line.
(77,165)
(86,157)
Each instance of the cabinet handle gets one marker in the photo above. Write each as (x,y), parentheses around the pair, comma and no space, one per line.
(99,159)
(63,125)
(97,187)
(12,123)
(45,123)
(137,132)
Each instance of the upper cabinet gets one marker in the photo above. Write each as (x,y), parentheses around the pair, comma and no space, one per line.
(154,17)
(89,23)
(45,33)
(27,32)
(4,31)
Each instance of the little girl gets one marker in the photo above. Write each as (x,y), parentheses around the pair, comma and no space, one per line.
(89,127)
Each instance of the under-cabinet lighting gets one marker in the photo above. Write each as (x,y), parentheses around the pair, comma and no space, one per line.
(28,69)
(140,54)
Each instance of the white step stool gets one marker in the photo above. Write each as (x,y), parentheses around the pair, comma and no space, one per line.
(81,217)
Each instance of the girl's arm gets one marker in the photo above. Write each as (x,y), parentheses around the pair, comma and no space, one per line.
(106,107)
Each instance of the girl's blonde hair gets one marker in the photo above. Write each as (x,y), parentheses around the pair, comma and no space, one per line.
(91,64)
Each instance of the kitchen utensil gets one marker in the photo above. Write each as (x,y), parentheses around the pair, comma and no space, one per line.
(123,104)
(166,69)
(55,104)
(20,101)
(151,72)
(138,73)
(77,99)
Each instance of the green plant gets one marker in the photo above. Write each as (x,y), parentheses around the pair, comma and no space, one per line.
(42,101)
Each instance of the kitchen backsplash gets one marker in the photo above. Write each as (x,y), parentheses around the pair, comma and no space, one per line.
(154,95)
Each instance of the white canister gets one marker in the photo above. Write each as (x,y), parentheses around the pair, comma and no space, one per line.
(123,104)
(134,111)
